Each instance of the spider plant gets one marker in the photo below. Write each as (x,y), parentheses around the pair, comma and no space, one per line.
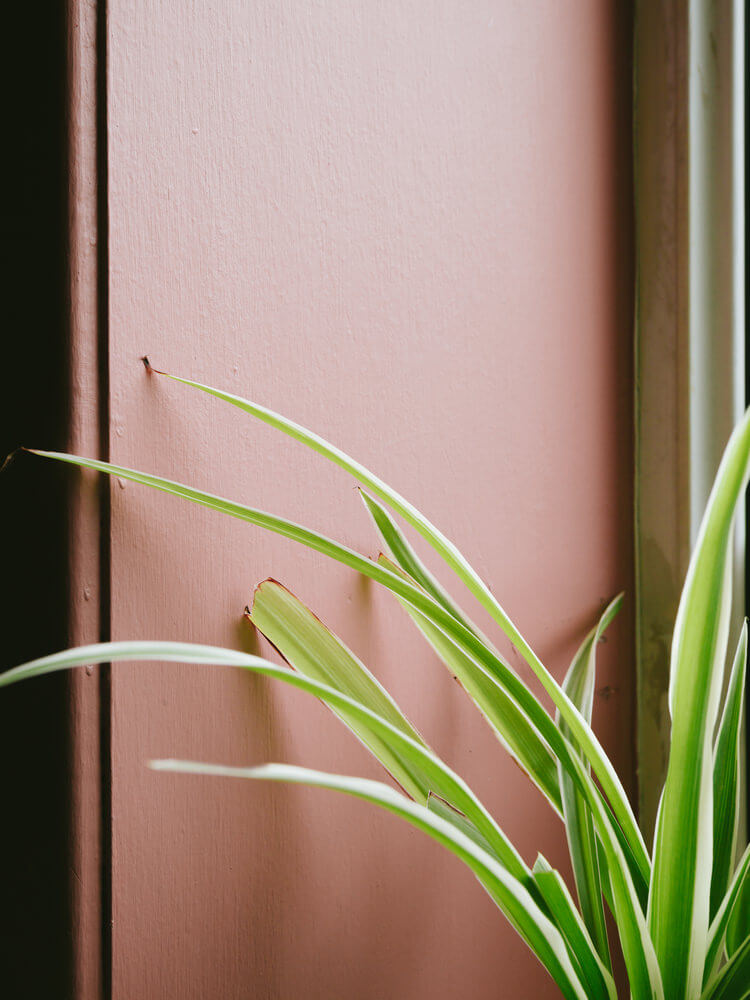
(682,911)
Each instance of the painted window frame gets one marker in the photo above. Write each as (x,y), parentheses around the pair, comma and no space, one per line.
(689,76)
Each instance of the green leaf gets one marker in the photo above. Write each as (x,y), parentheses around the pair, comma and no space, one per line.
(425,771)
(630,919)
(590,746)
(626,889)
(595,976)
(510,724)
(637,947)
(110,652)
(519,738)
(579,685)
(727,786)
(679,902)
(733,981)
(625,897)
(718,931)
(311,647)
(513,899)
(451,815)
(410,563)
(466,640)
(318,654)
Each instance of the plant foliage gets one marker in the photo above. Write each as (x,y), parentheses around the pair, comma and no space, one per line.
(682,913)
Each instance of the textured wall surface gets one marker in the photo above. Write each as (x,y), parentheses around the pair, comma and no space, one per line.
(405,226)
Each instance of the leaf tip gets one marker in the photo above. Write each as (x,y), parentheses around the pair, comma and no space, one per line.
(150,368)
(266,584)
(161,764)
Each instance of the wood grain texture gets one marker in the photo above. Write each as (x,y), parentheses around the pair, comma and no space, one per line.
(407,232)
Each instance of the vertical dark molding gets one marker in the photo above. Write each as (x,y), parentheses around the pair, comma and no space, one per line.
(88,530)
(105,618)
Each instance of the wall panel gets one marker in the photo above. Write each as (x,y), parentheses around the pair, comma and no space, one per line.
(411,232)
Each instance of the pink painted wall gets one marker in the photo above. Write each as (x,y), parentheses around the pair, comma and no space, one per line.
(405,226)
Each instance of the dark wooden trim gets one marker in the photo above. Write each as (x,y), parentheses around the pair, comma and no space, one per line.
(88,535)
(55,925)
